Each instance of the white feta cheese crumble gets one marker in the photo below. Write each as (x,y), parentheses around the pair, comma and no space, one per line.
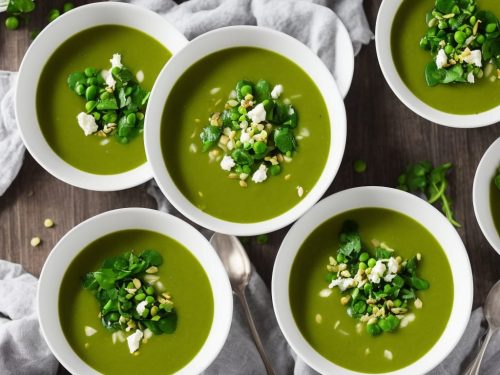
(89,331)
(244,137)
(260,174)
(388,354)
(258,114)
(277,91)
(141,307)
(471,78)
(392,269)
(377,272)
(343,284)
(475,58)
(469,40)
(441,59)
(87,123)
(147,334)
(134,340)
(110,81)
(227,163)
(139,76)
(116,61)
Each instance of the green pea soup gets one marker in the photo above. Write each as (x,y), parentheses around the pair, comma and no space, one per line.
(186,113)
(336,337)
(458,98)
(183,277)
(57,106)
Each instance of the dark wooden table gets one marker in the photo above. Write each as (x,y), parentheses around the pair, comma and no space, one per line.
(381,130)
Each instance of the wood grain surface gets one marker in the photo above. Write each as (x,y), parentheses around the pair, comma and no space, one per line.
(381,130)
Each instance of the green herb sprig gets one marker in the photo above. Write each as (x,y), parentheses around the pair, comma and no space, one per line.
(379,299)
(423,178)
(127,299)
(458,29)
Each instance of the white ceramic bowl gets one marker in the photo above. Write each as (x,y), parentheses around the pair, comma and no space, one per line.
(383,27)
(236,36)
(56,33)
(131,218)
(481,193)
(391,199)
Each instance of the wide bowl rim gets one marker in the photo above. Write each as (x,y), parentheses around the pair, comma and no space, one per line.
(485,171)
(211,42)
(64,27)
(380,197)
(65,251)
(383,27)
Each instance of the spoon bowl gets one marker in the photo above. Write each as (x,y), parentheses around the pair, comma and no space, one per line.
(492,307)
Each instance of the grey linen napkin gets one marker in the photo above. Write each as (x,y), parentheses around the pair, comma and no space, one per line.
(239,355)
(22,348)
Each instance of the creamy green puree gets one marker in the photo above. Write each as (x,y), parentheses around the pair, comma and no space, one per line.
(495,205)
(458,98)
(202,90)
(334,335)
(183,277)
(57,106)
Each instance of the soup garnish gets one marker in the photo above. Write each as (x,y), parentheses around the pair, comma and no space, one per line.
(115,102)
(379,290)
(464,42)
(132,297)
(254,135)
(423,178)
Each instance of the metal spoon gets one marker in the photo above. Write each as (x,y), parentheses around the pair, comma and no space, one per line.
(492,314)
(238,267)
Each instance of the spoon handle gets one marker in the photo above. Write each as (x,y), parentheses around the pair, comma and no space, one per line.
(255,334)
(476,364)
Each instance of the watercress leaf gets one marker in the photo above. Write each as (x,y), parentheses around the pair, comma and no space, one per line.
(373,329)
(107,104)
(105,277)
(445,6)
(408,294)
(76,78)
(242,157)
(284,140)
(89,282)
(293,119)
(454,74)
(153,327)
(381,253)
(280,112)
(124,128)
(123,99)
(418,283)
(123,75)
(350,241)
(168,324)
(398,281)
(433,75)
(262,91)
(411,266)
(210,136)
(152,257)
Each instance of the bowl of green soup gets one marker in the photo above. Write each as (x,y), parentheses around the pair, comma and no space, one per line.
(83,90)
(372,280)
(442,58)
(486,195)
(245,130)
(131,289)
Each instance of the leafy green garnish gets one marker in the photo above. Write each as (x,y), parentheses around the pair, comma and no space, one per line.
(210,136)
(284,140)
(432,182)
(350,241)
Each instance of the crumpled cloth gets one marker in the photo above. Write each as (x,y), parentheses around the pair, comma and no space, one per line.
(11,145)
(22,347)
(239,355)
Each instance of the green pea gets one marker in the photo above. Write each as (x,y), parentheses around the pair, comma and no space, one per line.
(259,147)
(242,110)
(140,116)
(113,317)
(340,258)
(96,115)
(91,92)
(472,20)
(245,90)
(123,140)
(384,325)
(442,24)
(359,166)
(480,39)
(372,262)
(387,288)
(238,169)
(275,170)
(131,119)
(109,117)
(11,23)
(368,288)
(105,95)
(373,329)
(150,290)
(362,266)
(150,299)
(448,49)
(128,91)
(491,27)
(67,7)
(90,105)
(397,302)
(468,31)
(140,296)
(459,37)
(363,257)
(53,14)
(154,310)
(115,70)
(247,145)
(90,71)
(129,296)
(455,10)
(92,81)
(145,313)
(246,169)
(80,89)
